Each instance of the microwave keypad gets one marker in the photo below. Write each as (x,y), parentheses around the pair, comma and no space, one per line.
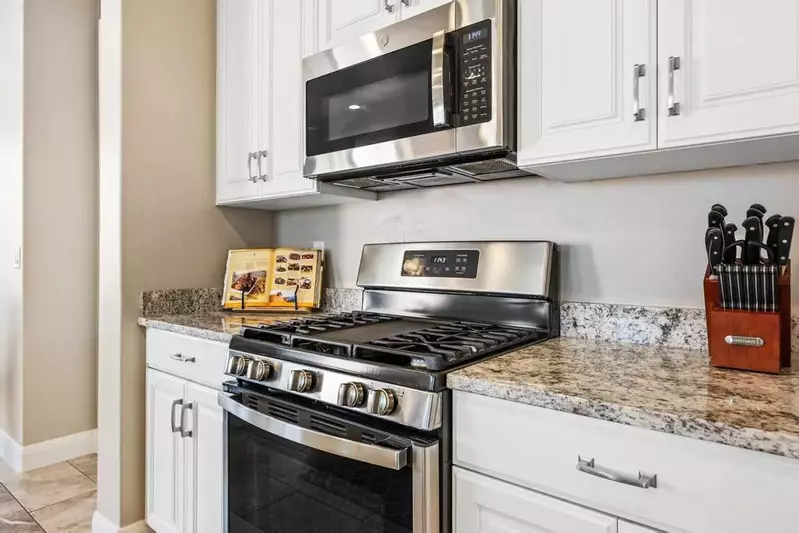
(475,73)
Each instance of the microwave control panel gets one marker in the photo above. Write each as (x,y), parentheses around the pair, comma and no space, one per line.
(440,264)
(474,67)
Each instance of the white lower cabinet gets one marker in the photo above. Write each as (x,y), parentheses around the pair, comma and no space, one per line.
(185,456)
(666,482)
(485,505)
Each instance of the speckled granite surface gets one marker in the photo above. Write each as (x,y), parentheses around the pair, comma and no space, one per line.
(662,389)
(179,302)
(341,300)
(213,325)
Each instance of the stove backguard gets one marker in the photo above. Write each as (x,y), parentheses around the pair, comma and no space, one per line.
(513,283)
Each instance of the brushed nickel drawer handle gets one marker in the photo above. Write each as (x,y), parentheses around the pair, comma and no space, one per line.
(182,358)
(751,342)
(644,481)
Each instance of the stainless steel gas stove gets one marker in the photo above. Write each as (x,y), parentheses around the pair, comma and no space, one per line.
(344,418)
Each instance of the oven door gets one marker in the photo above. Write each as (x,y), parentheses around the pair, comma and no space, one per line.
(383,99)
(295,469)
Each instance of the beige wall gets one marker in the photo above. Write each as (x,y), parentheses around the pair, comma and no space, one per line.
(60,226)
(626,241)
(11,134)
(159,226)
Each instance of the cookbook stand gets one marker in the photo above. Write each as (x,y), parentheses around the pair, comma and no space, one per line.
(749,340)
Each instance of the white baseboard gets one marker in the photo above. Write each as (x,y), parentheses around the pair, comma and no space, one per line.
(10,451)
(50,452)
(101,524)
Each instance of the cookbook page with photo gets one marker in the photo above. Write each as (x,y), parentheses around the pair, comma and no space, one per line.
(295,278)
(247,279)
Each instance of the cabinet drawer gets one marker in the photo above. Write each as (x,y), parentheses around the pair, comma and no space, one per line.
(701,486)
(193,359)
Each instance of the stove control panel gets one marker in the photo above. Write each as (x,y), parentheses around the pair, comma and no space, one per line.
(441,263)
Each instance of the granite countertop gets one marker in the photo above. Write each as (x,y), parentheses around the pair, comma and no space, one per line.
(663,389)
(214,325)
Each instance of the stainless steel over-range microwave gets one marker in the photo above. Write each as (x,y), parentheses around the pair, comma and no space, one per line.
(427,101)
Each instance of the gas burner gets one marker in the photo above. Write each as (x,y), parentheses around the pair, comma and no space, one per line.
(285,332)
(444,345)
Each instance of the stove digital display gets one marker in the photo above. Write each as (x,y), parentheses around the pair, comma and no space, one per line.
(440,264)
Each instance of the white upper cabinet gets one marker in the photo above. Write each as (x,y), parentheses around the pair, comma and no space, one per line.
(237,100)
(587,78)
(342,20)
(260,106)
(737,75)
(484,505)
(287,103)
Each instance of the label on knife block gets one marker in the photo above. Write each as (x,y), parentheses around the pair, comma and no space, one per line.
(269,278)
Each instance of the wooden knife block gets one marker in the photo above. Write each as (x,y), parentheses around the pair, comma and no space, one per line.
(773,328)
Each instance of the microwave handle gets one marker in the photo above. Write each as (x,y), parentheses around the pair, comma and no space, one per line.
(438,79)
(365,453)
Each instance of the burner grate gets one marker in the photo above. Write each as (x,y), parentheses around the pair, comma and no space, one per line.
(285,332)
(445,345)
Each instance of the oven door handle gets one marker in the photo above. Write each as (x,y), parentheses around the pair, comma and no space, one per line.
(365,453)
(437,79)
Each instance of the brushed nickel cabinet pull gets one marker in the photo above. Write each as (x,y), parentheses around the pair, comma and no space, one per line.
(643,481)
(674,107)
(183,408)
(639,113)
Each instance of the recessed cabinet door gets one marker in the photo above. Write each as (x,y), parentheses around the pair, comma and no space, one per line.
(238,81)
(485,505)
(728,70)
(164,453)
(587,78)
(288,104)
(344,20)
(204,462)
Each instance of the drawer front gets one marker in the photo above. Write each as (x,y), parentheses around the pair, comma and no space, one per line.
(197,360)
(700,486)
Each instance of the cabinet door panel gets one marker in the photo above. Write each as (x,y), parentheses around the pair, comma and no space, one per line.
(237,99)
(738,74)
(577,79)
(485,505)
(342,20)
(288,104)
(164,454)
(204,462)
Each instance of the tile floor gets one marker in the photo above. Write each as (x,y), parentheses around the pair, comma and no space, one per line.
(55,499)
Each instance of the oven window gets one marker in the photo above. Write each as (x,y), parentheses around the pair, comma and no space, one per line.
(383,99)
(277,486)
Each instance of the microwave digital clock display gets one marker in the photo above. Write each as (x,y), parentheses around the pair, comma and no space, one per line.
(475,35)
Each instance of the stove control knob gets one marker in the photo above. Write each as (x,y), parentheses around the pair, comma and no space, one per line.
(300,381)
(382,402)
(350,395)
(257,370)
(236,366)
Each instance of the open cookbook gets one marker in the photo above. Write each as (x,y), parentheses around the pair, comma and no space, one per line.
(273,278)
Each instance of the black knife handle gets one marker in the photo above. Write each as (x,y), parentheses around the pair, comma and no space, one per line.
(784,239)
(773,225)
(721,209)
(715,220)
(753,234)
(759,207)
(714,244)
(729,234)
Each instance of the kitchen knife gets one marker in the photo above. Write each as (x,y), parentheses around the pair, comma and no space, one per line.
(759,207)
(714,244)
(715,220)
(757,213)
(720,208)
(753,234)
(773,225)
(729,234)
(784,238)
(730,255)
